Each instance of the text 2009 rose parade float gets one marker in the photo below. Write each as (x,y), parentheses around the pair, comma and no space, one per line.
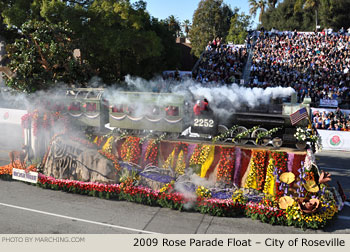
(276,187)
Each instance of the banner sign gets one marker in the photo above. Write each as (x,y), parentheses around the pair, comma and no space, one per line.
(13,116)
(328,103)
(335,140)
(22,175)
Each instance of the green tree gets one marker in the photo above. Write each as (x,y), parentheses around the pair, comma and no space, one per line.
(187,26)
(289,15)
(174,25)
(334,14)
(116,37)
(255,5)
(301,15)
(43,57)
(240,24)
(313,5)
(210,20)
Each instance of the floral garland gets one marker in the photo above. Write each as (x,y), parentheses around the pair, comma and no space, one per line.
(200,154)
(99,140)
(270,178)
(180,163)
(251,179)
(225,135)
(226,165)
(260,159)
(280,162)
(169,162)
(46,121)
(266,133)
(107,147)
(152,153)
(256,176)
(181,151)
(131,151)
(244,134)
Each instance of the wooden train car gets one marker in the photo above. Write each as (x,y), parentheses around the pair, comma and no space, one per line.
(160,112)
(87,106)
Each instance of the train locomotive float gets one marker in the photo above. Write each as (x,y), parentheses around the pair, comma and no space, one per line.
(141,113)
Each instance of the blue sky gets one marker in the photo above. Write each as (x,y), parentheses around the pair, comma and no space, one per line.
(184,9)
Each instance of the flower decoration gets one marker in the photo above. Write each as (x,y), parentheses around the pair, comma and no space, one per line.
(301,134)
(108,145)
(280,162)
(285,202)
(226,165)
(256,176)
(311,186)
(287,177)
(131,151)
(238,197)
(203,192)
(200,154)
(309,205)
(269,185)
(266,133)
(111,157)
(152,153)
(180,163)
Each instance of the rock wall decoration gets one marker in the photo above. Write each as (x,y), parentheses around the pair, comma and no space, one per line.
(67,159)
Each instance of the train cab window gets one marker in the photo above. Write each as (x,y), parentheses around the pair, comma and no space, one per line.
(172,111)
(74,106)
(118,108)
(90,107)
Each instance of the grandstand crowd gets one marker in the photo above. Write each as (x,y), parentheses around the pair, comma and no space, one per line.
(221,63)
(337,120)
(315,64)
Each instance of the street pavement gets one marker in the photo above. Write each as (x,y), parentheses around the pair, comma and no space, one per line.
(31,210)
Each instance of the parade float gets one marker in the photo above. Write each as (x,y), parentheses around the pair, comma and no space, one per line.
(280,186)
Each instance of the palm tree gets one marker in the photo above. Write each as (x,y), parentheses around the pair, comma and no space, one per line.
(173,25)
(255,5)
(186,25)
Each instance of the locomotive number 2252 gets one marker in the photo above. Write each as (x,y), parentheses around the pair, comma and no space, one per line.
(209,123)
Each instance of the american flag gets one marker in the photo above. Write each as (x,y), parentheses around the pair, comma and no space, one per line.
(298,116)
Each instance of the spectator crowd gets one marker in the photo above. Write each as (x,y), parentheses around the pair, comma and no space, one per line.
(221,63)
(337,120)
(315,64)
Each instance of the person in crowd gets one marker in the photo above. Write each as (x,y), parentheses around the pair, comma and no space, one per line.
(337,120)
(197,108)
(172,111)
